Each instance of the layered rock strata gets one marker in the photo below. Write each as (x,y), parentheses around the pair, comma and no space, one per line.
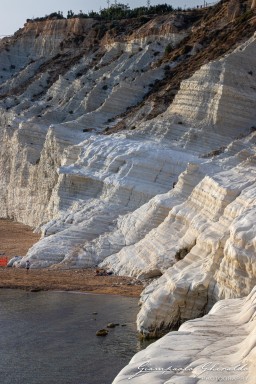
(173,198)
(38,96)
(220,347)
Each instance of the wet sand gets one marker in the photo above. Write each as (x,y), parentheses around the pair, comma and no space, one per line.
(16,239)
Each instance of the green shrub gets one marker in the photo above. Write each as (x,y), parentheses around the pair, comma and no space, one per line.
(168,49)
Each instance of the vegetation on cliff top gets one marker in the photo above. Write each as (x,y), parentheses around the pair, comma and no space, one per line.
(114,11)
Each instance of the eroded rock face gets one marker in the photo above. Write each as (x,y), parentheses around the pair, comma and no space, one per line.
(87,97)
(211,269)
(226,93)
(218,347)
(173,198)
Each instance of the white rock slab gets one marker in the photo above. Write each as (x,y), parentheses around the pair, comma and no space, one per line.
(220,347)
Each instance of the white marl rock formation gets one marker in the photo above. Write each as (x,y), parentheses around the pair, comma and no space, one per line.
(201,247)
(220,347)
(171,199)
(87,96)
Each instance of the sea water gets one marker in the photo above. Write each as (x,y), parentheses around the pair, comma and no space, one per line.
(50,337)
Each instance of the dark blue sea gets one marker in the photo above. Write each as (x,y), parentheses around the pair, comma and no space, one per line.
(50,337)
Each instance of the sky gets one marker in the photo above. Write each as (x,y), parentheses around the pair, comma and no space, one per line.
(13,13)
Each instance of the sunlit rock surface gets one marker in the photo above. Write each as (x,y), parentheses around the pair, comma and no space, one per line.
(168,199)
(220,347)
(204,251)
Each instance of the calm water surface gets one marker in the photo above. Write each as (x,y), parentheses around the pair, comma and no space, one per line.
(49,337)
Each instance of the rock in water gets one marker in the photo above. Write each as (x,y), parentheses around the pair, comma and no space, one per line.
(102,332)
(111,325)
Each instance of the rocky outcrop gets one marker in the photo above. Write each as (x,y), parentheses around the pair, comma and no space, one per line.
(203,226)
(110,178)
(220,347)
(169,198)
(97,87)
(193,247)
(226,90)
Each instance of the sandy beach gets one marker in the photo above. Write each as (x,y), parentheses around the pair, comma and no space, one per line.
(16,239)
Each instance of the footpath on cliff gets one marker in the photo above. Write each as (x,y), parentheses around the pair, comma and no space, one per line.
(16,239)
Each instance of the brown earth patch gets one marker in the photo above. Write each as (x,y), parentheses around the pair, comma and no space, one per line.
(16,239)
(83,280)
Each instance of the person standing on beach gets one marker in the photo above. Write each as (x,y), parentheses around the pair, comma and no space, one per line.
(27,265)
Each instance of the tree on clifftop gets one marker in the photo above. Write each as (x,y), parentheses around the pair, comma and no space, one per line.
(70,14)
(115,11)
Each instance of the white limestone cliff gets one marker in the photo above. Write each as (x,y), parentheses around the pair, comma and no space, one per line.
(91,97)
(197,246)
(220,347)
(112,199)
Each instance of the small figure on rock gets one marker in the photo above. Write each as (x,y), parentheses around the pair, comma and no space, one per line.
(27,265)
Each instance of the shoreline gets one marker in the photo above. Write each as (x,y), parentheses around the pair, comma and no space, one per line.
(16,239)
(68,280)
